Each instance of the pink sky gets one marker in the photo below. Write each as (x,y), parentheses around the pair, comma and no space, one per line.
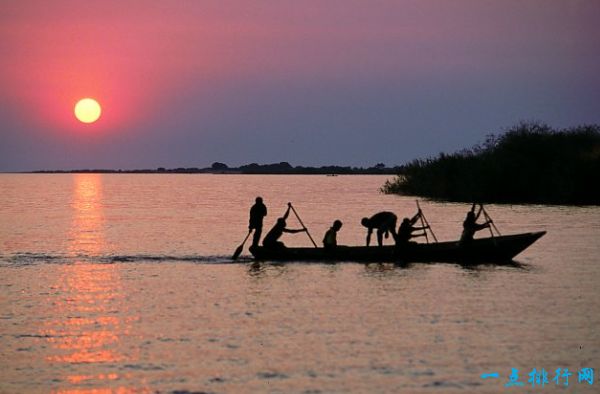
(171,74)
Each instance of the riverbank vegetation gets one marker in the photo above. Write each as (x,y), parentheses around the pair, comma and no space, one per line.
(530,163)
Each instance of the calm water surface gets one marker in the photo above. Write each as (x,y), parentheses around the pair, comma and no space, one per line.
(124,283)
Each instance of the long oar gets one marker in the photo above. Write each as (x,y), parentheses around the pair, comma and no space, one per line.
(303,226)
(423,224)
(423,218)
(489,219)
(239,249)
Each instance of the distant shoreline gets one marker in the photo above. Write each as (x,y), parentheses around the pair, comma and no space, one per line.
(282,168)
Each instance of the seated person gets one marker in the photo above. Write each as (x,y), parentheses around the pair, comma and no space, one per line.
(330,238)
(271,240)
(384,222)
(470,225)
(407,228)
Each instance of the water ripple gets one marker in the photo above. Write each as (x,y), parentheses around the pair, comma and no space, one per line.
(27,259)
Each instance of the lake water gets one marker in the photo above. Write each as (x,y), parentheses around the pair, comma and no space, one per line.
(123,284)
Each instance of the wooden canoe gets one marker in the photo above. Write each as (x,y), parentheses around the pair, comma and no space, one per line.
(482,250)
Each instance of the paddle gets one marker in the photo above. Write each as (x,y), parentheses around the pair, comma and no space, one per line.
(425,223)
(489,219)
(302,224)
(239,249)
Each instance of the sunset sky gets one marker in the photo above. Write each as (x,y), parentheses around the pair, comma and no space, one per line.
(187,83)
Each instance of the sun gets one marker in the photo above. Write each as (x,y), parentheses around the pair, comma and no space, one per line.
(87,110)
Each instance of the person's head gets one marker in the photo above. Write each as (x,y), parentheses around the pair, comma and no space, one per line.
(337,225)
(259,200)
(471,216)
(365,222)
(281,222)
(406,221)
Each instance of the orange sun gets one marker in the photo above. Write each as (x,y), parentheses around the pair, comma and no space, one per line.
(87,110)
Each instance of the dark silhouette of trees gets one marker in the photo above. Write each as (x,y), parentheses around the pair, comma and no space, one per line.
(219,166)
(530,163)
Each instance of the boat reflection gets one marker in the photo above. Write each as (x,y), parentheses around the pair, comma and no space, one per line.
(516,265)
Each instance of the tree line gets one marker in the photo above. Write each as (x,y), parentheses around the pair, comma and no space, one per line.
(252,168)
(529,163)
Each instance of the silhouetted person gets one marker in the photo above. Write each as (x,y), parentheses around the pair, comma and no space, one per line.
(384,222)
(330,238)
(470,225)
(407,228)
(257,213)
(272,238)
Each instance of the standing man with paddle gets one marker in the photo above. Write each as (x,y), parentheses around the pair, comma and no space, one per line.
(257,213)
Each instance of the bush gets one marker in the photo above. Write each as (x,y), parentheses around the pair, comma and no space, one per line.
(530,163)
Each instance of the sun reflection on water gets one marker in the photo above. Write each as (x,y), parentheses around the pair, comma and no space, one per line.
(90,326)
(87,230)
(90,313)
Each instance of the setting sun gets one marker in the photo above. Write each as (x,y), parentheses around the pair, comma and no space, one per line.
(87,110)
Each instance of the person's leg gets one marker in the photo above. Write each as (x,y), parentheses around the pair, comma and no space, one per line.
(393,227)
(256,237)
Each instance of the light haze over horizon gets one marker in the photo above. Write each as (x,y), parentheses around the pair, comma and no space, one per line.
(308,82)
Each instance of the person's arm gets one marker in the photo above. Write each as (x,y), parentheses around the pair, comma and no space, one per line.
(479,212)
(482,226)
(417,235)
(413,229)
(415,218)
(287,213)
(369,232)
(293,231)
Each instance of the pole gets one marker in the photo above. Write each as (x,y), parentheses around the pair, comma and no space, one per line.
(239,249)
(489,219)
(423,218)
(303,226)
(423,223)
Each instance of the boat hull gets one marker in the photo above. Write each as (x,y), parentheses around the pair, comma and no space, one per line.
(493,249)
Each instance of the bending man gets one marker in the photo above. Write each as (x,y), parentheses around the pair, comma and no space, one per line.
(384,222)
